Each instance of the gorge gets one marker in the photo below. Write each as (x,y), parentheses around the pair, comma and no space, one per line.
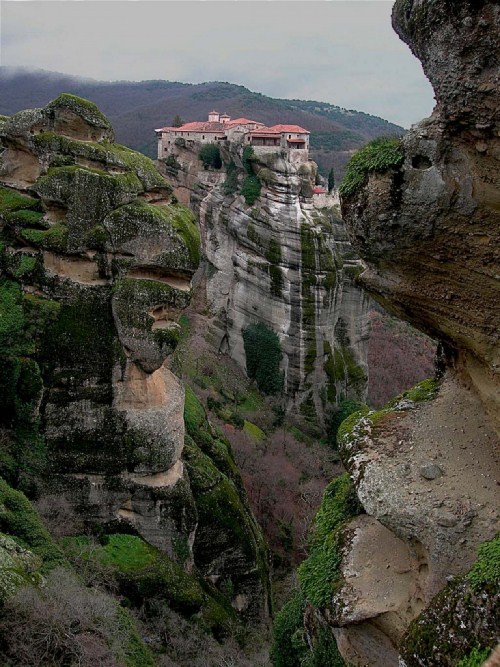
(177,340)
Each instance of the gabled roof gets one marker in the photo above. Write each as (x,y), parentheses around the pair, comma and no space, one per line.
(290,128)
(265,130)
(200,126)
(244,121)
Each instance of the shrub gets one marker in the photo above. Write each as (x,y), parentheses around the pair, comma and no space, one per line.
(210,156)
(66,624)
(248,156)
(231,182)
(263,356)
(376,157)
(286,651)
(251,189)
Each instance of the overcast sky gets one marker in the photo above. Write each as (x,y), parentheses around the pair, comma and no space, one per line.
(339,51)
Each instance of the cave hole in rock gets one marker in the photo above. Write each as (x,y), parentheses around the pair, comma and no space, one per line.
(421,162)
(176,279)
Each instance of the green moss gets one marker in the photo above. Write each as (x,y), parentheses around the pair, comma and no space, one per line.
(475,658)
(423,391)
(10,201)
(253,431)
(107,153)
(19,520)
(319,574)
(203,474)
(140,219)
(23,323)
(82,107)
(54,238)
(376,157)
(184,222)
(23,265)
(18,567)
(133,299)
(253,236)
(194,413)
(486,569)
(144,573)
(25,218)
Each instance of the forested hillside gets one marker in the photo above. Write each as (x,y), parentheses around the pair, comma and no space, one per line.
(136,108)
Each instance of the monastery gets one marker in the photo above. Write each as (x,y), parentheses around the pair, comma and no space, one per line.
(220,128)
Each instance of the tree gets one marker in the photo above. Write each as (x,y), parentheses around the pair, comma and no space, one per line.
(210,156)
(177,122)
(331,181)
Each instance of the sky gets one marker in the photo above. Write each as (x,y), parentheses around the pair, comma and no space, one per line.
(339,51)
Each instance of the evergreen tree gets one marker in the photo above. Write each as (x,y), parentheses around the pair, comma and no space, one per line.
(177,122)
(331,181)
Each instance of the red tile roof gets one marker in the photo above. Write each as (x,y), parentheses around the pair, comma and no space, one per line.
(318,190)
(200,126)
(290,128)
(264,130)
(243,121)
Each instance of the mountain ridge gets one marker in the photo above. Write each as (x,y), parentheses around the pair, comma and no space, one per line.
(137,107)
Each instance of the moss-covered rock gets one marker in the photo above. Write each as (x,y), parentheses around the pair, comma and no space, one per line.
(460,625)
(228,544)
(145,575)
(319,574)
(21,522)
(18,567)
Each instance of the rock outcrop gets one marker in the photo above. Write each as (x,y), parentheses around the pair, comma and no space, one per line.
(424,216)
(279,259)
(97,260)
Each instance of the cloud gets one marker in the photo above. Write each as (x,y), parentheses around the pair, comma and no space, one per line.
(342,52)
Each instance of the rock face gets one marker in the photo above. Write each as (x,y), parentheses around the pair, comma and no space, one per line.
(282,261)
(438,266)
(97,261)
(426,467)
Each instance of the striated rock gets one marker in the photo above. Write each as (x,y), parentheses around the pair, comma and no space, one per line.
(97,260)
(281,261)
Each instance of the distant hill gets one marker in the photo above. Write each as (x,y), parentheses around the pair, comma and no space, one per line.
(136,108)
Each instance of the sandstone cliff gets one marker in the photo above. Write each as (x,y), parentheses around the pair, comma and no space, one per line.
(278,259)
(404,584)
(97,261)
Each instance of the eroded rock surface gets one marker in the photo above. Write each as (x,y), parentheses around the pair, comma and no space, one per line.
(97,261)
(283,261)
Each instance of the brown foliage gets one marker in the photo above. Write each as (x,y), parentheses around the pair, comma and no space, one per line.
(399,356)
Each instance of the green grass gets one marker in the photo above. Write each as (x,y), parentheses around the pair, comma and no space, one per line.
(376,157)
